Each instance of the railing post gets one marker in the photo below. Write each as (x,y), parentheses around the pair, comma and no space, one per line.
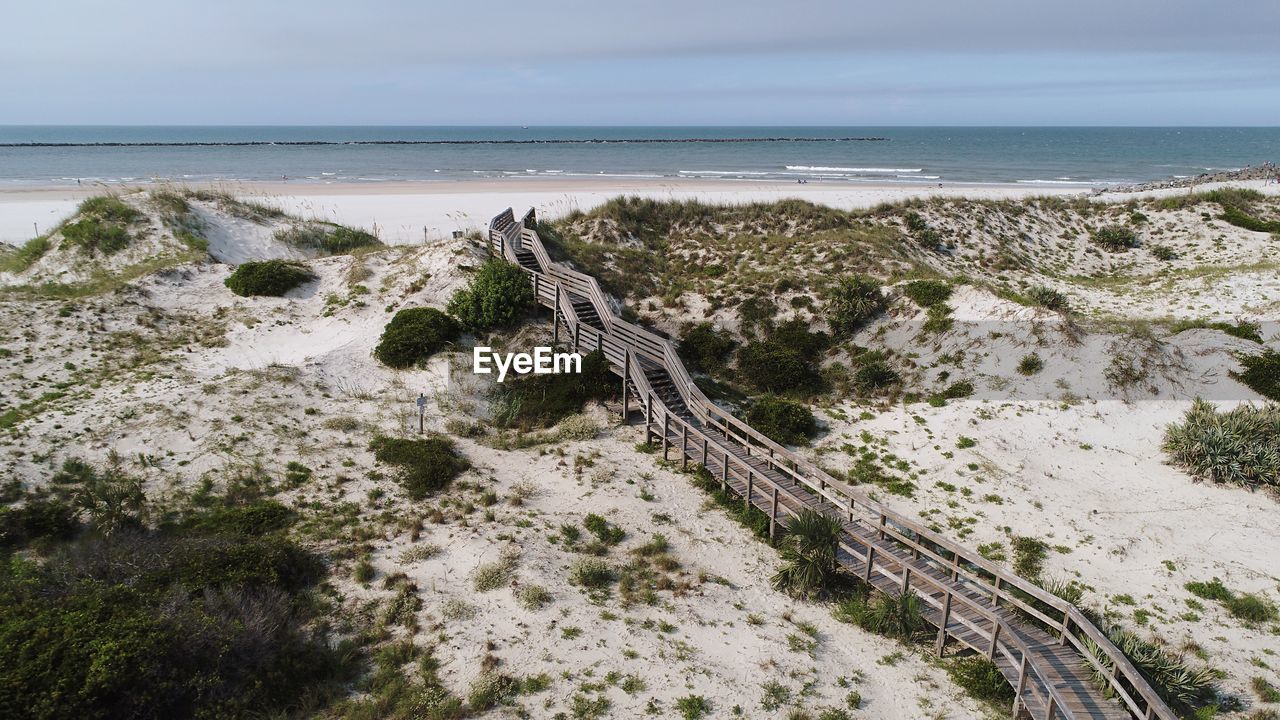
(724,473)
(995,636)
(746,497)
(705,459)
(942,627)
(684,445)
(666,428)
(626,376)
(1021,687)
(577,332)
(871,559)
(906,578)
(883,520)
(1066,624)
(773,513)
(555,320)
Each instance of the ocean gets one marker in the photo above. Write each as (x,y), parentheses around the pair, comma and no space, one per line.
(62,155)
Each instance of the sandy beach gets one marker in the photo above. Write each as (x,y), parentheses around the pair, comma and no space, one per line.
(409,212)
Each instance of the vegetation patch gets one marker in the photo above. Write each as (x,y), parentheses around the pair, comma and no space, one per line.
(927,293)
(705,349)
(328,238)
(1261,373)
(424,465)
(852,302)
(783,421)
(1115,238)
(272,278)
(537,401)
(414,335)
(1240,446)
(499,296)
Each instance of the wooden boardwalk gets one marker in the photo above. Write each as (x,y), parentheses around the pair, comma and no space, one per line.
(1040,642)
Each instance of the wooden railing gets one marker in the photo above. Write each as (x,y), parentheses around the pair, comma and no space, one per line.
(969,581)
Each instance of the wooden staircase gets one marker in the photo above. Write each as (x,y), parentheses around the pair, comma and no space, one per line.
(1041,644)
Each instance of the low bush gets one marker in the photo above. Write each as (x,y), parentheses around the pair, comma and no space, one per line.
(414,335)
(783,421)
(1261,373)
(1240,446)
(795,335)
(981,679)
(96,236)
(1115,238)
(157,624)
(590,572)
(807,546)
(1184,687)
(534,401)
(25,256)
(1240,218)
(271,278)
(927,293)
(705,349)
(424,465)
(1244,329)
(498,296)
(109,208)
(1048,298)
(874,374)
(852,302)
(328,238)
(1030,364)
(772,367)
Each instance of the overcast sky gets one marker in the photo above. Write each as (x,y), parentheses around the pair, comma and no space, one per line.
(660,62)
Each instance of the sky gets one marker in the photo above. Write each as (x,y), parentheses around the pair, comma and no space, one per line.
(654,62)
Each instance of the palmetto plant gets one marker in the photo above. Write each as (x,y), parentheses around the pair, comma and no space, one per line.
(1239,447)
(808,548)
(1182,686)
(900,616)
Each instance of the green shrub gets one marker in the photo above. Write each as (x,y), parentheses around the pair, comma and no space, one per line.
(783,421)
(1240,218)
(1211,590)
(693,707)
(1184,687)
(271,278)
(532,401)
(1244,330)
(1240,446)
(38,519)
(414,335)
(1048,298)
(981,679)
(796,336)
(258,518)
(927,293)
(1164,253)
(328,238)
(590,572)
(705,349)
(808,549)
(424,465)
(500,295)
(852,302)
(149,625)
(900,615)
(109,208)
(1030,364)
(1116,238)
(25,256)
(1261,373)
(92,235)
(1028,556)
(771,367)
(604,531)
(1251,608)
(874,375)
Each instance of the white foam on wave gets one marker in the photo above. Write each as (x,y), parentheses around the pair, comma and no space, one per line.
(821,168)
(721,172)
(1063,182)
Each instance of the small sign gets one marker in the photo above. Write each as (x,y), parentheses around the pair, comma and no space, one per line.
(422,401)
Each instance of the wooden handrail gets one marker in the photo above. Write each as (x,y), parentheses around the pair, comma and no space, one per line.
(627,341)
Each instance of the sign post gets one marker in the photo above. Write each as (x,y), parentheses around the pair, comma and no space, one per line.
(422,409)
